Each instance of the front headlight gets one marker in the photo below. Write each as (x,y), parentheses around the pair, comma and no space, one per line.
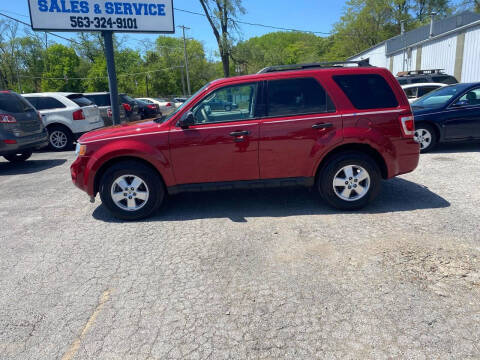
(80,149)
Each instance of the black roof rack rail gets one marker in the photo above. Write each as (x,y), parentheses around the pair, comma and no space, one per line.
(331,64)
(421,72)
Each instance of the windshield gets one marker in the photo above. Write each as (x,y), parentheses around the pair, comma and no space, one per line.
(186,102)
(437,98)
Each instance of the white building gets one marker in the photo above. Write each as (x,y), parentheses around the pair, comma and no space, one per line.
(452,44)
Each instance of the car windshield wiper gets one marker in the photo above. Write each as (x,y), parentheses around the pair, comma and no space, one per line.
(418,106)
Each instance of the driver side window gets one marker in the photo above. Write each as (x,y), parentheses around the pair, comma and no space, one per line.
(231,103)
(471,98)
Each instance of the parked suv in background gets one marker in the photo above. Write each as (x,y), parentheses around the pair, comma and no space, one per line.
(337,129)
(21,128)
(425,76)
(66,115)
(102,100)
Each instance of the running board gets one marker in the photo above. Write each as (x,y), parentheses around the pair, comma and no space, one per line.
(246,184)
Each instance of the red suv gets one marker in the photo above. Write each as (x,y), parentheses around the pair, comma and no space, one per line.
(337,129)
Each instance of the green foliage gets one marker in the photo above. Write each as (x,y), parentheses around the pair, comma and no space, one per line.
(279,48)
(365,23)
(61,63)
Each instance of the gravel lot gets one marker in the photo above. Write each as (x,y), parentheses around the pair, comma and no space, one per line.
(244,274)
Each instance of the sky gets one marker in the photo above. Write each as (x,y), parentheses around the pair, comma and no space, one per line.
(308,15)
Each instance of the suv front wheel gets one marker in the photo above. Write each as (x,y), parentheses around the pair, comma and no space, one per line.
(349,181)
(131,190)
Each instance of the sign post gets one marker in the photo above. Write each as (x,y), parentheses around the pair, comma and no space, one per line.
(141,16)
(112,76)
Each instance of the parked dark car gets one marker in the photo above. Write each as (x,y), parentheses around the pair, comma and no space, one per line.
(148,111)
(21,128)
(221,105)
(425,76)
(451,113)
(130,106)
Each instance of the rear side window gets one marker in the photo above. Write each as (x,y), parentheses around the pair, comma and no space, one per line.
(12,103)
(425,90)
(100,100)
(411,92)
(297,96)
(367,91)
(80,100)
(45,103)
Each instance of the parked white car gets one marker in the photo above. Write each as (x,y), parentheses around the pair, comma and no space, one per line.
(66,116)
(416,91)
(178,101)
(166,107)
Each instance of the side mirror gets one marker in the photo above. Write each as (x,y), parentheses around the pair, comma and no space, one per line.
(186,120)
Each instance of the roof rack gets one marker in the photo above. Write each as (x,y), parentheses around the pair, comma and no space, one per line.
(333,64)
(420,72)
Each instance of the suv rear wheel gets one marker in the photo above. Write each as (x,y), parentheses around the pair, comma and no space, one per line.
(59,138)
(20,157)
(349,181)
(131,190)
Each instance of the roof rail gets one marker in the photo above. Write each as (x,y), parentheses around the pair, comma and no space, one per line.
(332,64)
(420,72)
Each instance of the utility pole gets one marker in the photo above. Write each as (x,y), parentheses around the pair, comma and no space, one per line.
(146,83)
(186,57)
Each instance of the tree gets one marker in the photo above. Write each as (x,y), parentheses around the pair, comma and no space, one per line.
(61,73)
(278,48)
(222,15)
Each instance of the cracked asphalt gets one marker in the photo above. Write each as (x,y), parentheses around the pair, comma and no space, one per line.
(270,274)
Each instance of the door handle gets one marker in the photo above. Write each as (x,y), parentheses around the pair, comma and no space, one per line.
(322,126)
(240,133)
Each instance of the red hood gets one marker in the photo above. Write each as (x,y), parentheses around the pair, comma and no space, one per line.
(133,128)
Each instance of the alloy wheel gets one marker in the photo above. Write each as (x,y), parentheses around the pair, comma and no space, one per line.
(58,139)
(129,192)
(423,137)
(351,183)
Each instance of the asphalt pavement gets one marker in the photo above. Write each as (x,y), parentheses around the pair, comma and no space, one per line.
(264,274)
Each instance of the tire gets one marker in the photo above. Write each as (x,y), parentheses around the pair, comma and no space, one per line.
(131,173)
(59,138)
(337,169)
(20,157)
(426,136)
(228,108)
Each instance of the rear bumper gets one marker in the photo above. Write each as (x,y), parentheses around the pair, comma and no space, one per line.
(407,155)
(27,143)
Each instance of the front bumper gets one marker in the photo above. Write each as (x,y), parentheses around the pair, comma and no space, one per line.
(78,173)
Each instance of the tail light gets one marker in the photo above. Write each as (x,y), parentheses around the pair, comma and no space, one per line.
(127,107)
(408,125)
(151,106)
(10,141)
(109,112)
(168,104)
(7,118)
(78,115)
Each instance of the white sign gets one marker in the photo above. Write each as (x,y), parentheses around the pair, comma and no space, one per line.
(103,15)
